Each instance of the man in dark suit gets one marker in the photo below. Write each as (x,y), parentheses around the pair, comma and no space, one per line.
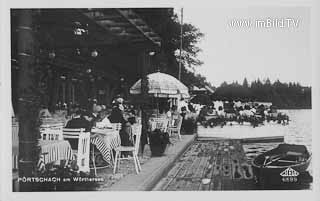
(79,122)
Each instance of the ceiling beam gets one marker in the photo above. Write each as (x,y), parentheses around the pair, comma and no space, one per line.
(86,14)
(127,14)
(113,23)
(107,17)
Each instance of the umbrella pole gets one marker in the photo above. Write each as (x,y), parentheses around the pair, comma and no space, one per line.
(158,106)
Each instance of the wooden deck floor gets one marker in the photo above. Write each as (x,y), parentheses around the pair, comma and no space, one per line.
(222,163)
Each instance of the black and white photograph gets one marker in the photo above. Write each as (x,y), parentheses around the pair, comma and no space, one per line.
(186,97)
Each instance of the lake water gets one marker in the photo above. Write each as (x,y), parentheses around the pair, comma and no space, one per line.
(298,131)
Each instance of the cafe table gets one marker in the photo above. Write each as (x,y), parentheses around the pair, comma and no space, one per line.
(105,140)
(54,150)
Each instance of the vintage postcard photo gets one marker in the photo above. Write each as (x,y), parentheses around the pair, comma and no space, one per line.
(177,98)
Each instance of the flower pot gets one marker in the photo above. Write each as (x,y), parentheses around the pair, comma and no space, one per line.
(158,150)
(158,142)
(189,126)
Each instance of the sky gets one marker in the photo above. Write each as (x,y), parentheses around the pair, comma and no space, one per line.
(275,45)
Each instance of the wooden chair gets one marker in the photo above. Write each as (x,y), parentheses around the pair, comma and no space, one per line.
(136,131)
(165,125)
(82,153)
(175,127)
(52,132)
(161,123)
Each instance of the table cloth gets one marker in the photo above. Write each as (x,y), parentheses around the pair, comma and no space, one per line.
(55,150)
(105,140)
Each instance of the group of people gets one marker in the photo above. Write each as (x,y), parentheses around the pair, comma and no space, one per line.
(100,116)
(236,111)
(244,109)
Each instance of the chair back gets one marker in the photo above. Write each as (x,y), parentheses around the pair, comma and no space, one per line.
(178,122)
(136,131)
(161,123)
(116,126)
(83,146)
(72,133)
(51,131)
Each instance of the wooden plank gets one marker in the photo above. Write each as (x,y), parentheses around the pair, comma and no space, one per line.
(216,183)
(171,176)
(263,139)
(173,173)
(198,169)
(196,183)
(179,180)
(227,181)
(210,166)
(177,172)
(189,175)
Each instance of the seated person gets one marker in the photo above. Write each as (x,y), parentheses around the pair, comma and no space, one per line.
(117,112)
(221,112)
(253,110)
(174,111)
(95,112)
(247,111)
(44,113)
(183,111)
(126,134)
(104,120)
(132,117)
(163,113)
(211,111)
(79,120)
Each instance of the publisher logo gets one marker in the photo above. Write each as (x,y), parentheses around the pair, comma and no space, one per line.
(289,175)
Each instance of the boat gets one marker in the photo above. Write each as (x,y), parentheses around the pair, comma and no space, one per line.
(281,165)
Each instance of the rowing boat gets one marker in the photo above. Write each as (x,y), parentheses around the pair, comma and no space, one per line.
(282,164)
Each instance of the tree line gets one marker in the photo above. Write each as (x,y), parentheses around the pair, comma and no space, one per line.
(283,95)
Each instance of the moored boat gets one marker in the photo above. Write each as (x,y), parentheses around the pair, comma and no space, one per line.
(281,165)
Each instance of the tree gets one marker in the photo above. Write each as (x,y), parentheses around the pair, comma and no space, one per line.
(29,97)
(167,25)
(245,83)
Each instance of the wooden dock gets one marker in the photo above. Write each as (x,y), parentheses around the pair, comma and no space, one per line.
(247,134)
(210,165)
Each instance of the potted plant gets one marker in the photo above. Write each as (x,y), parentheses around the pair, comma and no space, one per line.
(189,124)
(158,142)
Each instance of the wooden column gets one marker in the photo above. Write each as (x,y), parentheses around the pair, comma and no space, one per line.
(63,92)
(144,64)
(69,91)
(73,92)
(29,102)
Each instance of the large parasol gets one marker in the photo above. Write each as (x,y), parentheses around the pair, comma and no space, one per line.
(163,86)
